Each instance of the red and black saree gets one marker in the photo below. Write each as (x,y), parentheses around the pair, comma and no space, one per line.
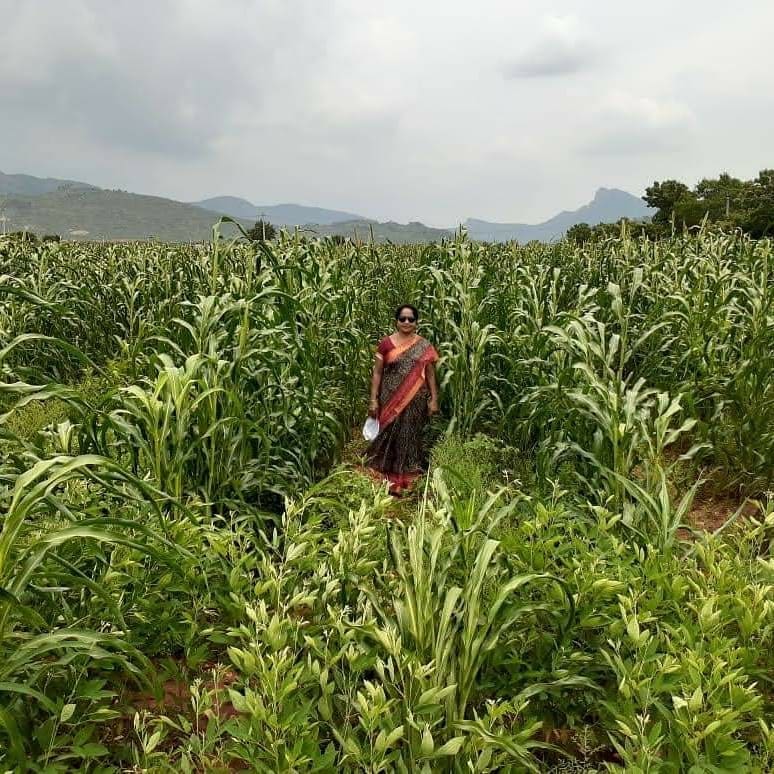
(396,453)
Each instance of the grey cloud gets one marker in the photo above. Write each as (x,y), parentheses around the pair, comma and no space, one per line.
(562,49)
(167,88)
(400,110)
(550,61)
(107,107)
(637,140)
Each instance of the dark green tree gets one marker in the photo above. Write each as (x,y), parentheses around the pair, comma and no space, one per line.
(262,231)
(24,236)
(580,233)
(721,197)
(758,205)
(667,197)
(725,201)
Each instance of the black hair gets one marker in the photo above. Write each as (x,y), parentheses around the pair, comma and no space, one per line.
(414,311)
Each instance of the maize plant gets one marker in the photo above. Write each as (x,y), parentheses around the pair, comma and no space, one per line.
(182,509)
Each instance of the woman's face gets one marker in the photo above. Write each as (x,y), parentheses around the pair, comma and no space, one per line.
(406,321)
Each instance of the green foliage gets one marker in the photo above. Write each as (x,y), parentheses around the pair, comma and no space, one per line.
(23,236)
(727,201)
(262,231)
(665,197)
(170,417)
(468,466)
(580,233)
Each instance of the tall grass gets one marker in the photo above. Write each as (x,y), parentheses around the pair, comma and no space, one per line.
(196,394)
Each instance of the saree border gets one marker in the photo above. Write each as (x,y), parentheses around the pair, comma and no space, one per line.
(410,386)
(397,350)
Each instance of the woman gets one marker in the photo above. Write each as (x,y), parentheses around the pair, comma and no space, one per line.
(403,393)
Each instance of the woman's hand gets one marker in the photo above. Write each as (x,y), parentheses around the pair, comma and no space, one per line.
(373,409)
(432,407)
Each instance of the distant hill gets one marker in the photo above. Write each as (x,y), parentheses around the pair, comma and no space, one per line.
(278,214)
(608,206)
(27,185)
(389,231)
(92,213)
(77,210)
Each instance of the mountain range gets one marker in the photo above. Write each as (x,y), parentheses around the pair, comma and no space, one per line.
(94,213)
(78,210)
(607,206)
(279,214)
(27,185)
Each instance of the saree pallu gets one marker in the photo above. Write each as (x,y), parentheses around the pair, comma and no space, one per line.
(396,453)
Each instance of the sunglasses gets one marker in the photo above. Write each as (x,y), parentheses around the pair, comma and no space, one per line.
(407,319)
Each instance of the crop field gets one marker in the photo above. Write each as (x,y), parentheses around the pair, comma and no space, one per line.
(197,575)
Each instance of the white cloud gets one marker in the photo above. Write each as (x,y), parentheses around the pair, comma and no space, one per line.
(631,124)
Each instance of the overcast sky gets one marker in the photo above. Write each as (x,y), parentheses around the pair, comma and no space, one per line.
(407,110)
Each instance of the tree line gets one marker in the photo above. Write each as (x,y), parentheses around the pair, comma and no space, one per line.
(726,201)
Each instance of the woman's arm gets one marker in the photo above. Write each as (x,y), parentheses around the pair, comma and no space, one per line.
(376,383)
(432,385)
